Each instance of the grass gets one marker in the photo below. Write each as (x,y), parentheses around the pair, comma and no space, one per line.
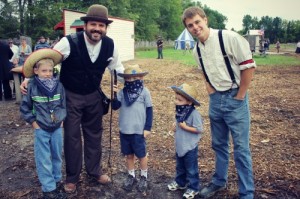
(188,59)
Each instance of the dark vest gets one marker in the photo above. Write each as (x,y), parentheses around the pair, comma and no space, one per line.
(78,73)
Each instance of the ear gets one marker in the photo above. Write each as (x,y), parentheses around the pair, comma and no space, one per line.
(35,70)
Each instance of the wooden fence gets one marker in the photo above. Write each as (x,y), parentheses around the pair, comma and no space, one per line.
(151,44)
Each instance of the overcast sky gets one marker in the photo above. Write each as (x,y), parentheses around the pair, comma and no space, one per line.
(235,10)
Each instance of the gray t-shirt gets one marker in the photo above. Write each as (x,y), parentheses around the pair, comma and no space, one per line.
(186,141)
(132,118)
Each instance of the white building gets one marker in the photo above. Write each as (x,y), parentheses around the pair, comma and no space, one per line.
(120,30)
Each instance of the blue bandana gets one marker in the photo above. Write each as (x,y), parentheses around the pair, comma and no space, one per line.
(183,112)
(132,91)
(47,86)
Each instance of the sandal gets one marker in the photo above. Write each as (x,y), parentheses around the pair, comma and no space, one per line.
(70,188)
(104,179)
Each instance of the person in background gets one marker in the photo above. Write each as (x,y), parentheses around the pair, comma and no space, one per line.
(13,62)
(41,44)
(135,122)
(159,44)
(86,55)
(188,131)
(298,48)
(44,107)
(5,55)
(15,58)
(227,84)
(24,51)
(277,46)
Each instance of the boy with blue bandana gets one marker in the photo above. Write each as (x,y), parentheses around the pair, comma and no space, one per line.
(44,107)
(188,130)
(135,122)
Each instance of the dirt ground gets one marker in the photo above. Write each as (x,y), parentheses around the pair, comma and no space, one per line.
(275,113)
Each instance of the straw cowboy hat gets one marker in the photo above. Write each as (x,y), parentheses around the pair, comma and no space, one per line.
(189,92)
(97,13)
(133,71)
(39,55)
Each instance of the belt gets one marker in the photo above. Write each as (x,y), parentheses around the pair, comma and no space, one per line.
(227,91)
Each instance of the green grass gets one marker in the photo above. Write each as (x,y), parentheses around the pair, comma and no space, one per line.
(188,59)
(276,60)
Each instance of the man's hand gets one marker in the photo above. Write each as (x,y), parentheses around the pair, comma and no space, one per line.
(23,86)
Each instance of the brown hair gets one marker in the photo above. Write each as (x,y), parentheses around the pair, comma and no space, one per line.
(191,12)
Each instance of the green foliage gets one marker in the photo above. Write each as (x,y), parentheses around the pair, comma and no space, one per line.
(152,18)
(275,28)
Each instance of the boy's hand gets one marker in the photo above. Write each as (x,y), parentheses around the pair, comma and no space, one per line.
(35,125)
(115,88)
(146,133)
(182,125)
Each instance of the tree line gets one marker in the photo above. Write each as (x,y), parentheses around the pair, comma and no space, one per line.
(152,18)
(274,28)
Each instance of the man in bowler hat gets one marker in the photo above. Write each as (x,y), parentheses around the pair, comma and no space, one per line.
(85,58)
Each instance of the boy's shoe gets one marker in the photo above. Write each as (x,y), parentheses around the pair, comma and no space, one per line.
(189,194)
(128,184)
(55,194)
(173,186)
(143,184)
(210,190)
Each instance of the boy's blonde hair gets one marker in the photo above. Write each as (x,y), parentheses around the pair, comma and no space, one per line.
(44,61)
(191,12)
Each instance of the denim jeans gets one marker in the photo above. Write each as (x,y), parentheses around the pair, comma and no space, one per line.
(231,115)
(160,53)
(48,150)
(187,170)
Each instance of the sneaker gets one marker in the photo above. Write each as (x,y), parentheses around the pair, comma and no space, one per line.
(55,194)
(128,184)
(190,194)
(210,190)
(142,186)
(173,186)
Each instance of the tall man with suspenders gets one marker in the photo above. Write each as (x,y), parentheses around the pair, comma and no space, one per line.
(226,61)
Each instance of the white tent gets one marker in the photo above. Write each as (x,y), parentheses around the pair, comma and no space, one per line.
(184,37)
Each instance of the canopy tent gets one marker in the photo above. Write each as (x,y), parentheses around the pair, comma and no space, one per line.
(184,39)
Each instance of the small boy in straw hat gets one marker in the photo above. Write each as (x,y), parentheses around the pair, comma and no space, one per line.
(44,107)
(135,123)
(188,130)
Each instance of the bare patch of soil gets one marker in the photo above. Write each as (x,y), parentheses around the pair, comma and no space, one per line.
(274,102)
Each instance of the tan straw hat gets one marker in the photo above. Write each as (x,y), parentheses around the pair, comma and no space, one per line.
(39,55)
(189,92)
(133,71)
(97,13)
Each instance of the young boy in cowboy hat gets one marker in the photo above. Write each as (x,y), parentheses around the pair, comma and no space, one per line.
(44,107)
(188,130)
(135,122)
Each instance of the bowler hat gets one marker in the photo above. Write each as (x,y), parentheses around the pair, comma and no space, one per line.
(187,91)
(39,55)
(97,13)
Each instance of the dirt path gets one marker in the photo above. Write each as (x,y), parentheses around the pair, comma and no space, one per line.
(274,98)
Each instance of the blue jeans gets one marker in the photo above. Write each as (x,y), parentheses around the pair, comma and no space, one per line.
(187,170)
(48,150)
(230,115)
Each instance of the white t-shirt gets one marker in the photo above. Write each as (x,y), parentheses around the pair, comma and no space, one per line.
(238,51)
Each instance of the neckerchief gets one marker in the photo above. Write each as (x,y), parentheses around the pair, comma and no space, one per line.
(132,91)
(47,86)
(183,112)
